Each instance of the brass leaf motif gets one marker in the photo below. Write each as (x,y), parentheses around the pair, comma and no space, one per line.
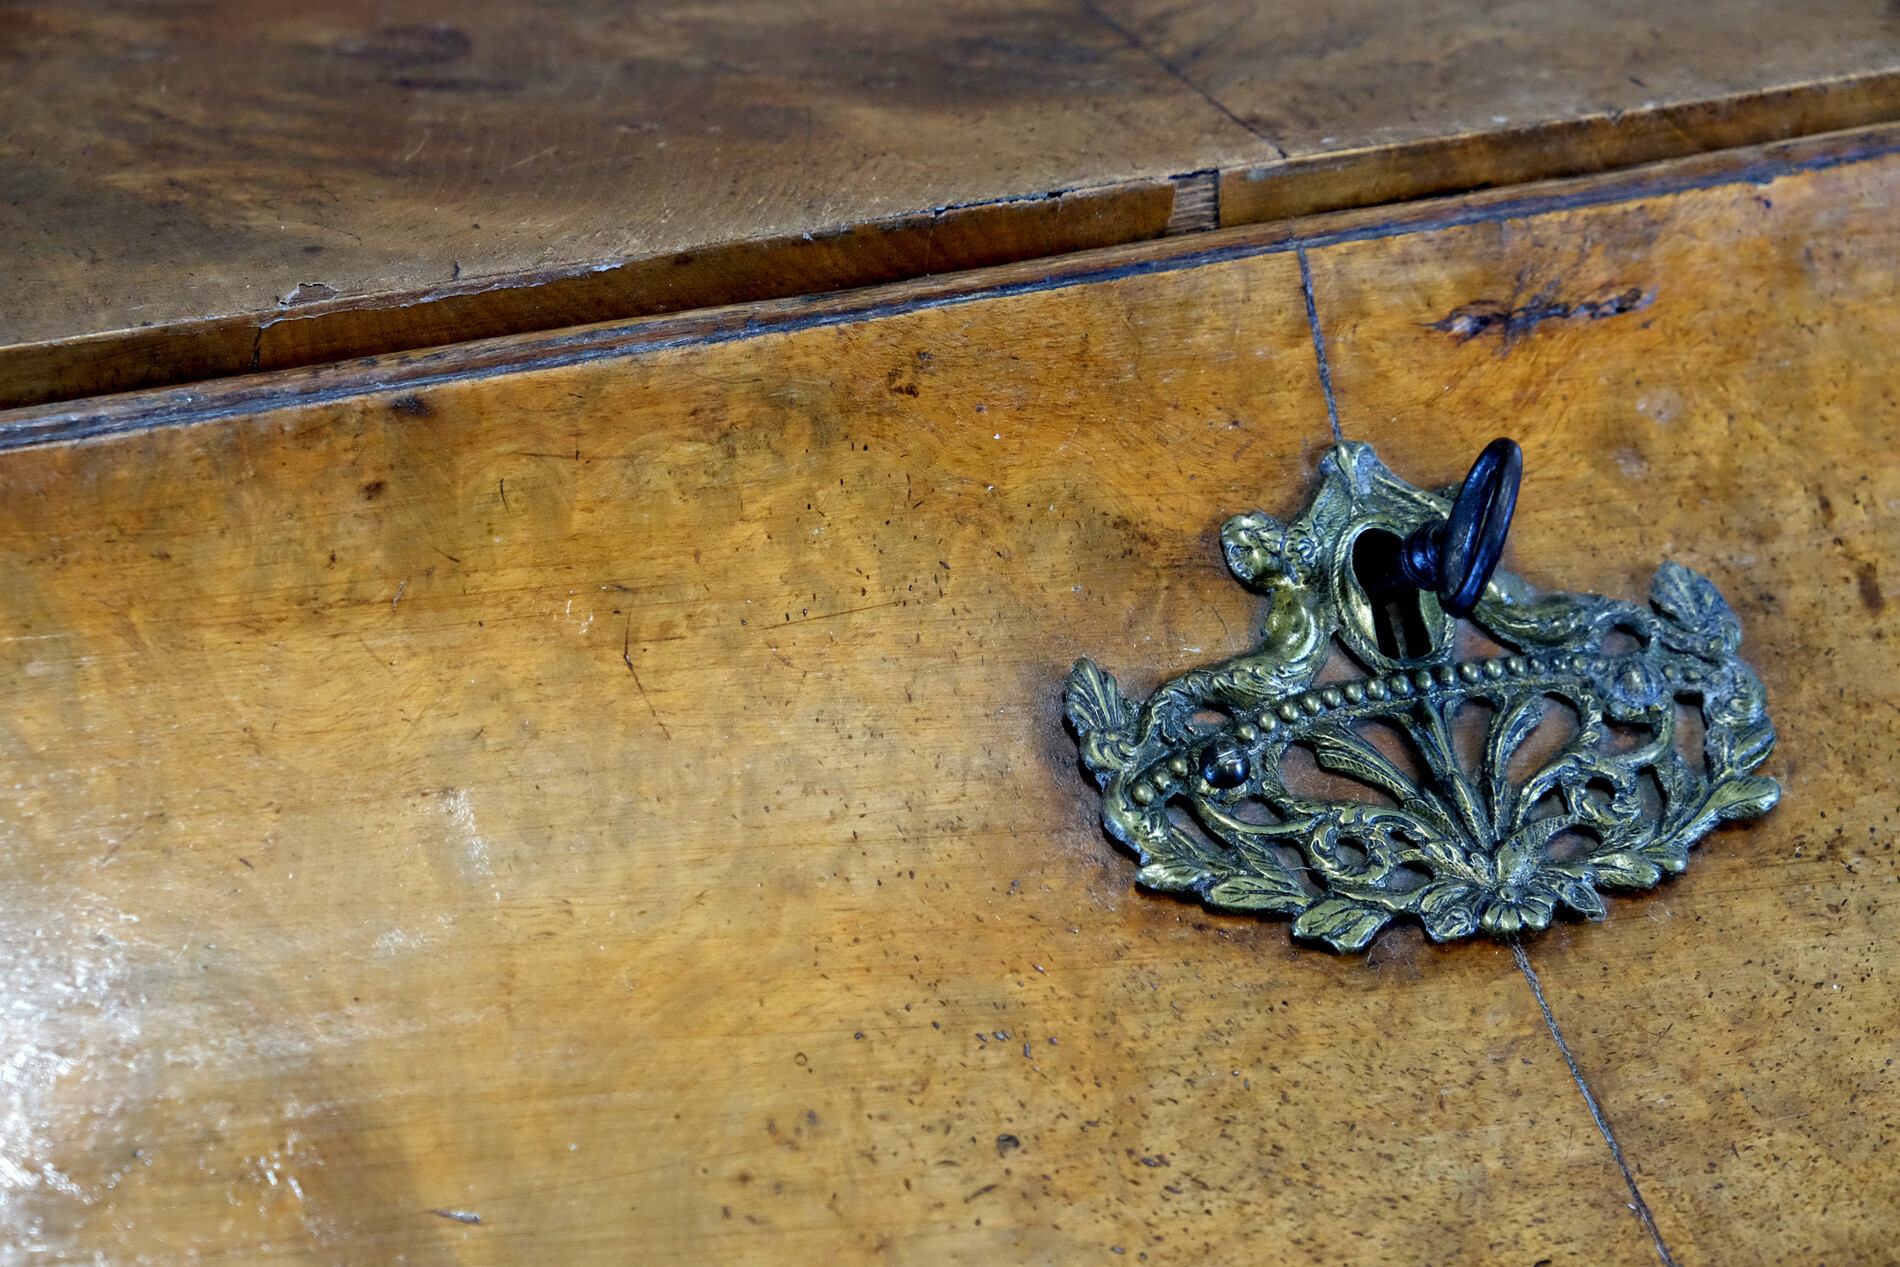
(1464,844)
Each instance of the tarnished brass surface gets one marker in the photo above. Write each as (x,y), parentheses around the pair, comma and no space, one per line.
(1612,793)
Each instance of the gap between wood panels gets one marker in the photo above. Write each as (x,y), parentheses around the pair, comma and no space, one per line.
(472,359)
(1589,1098)
(322,327)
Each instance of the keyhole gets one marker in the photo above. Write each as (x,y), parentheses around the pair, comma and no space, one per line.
(1397,621)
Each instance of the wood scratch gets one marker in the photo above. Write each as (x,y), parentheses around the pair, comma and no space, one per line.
(849,611)
(107,856)
(626,653)
(384,664)
(1223,624)
(524,162)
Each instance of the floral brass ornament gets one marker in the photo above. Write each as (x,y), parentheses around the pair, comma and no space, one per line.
(1193,780)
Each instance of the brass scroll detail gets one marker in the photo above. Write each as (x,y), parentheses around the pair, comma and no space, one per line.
(1192,778)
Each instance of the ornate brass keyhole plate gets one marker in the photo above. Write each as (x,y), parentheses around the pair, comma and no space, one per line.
(1487,835)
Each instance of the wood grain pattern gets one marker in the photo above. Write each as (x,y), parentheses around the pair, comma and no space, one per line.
(353,328)
(235,397)
(624,799)
(628,802)
(1742,421)
(1547,149)
(189,192)
(1370,103)
(194,191)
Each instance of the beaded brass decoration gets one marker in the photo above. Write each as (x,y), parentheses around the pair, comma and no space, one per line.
(1494,840)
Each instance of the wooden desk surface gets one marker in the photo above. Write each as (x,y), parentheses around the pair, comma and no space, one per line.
(195,191)
(621,793)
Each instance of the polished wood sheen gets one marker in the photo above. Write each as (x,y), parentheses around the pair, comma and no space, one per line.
(191,192)
(624,798)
